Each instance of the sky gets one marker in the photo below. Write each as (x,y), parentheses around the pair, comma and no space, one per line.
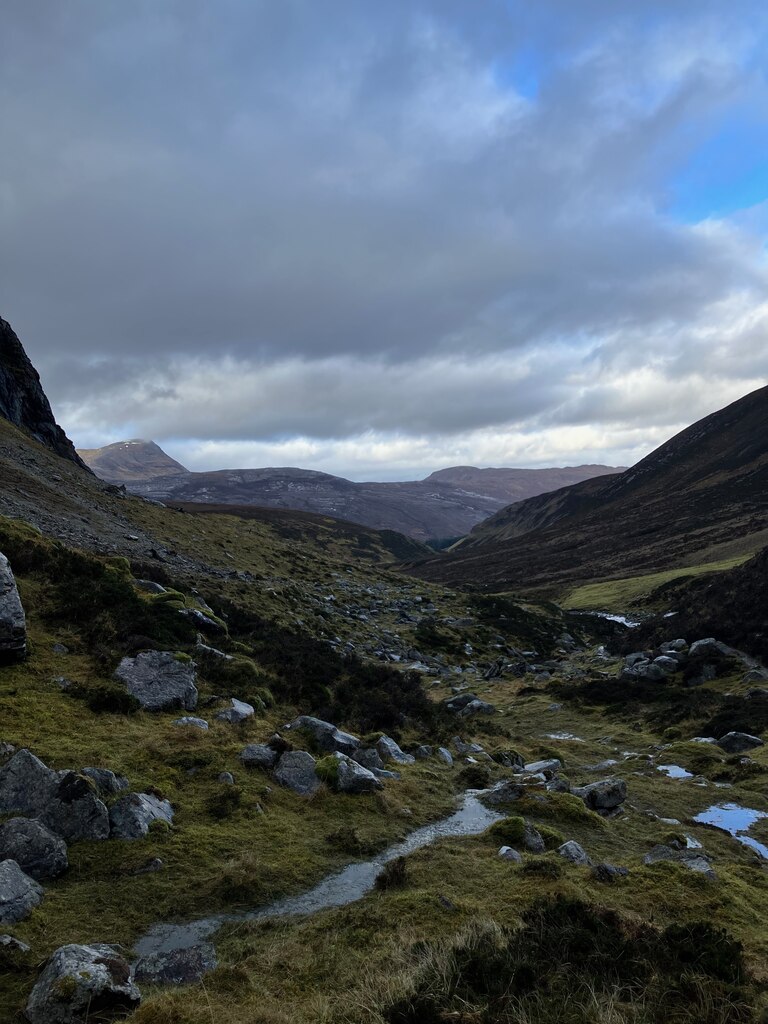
(377,239)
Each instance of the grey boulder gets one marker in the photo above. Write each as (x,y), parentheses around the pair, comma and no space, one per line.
(192,722)
(176,966)
(64,801)
(507,853)
(693,860)
(353,778)
(258,755)
(132,815)
(238,711)
(13,626)
(159,680)
(39,852)
(390,751)
(79,981)
(296,770)
(477,707)
(708,648)
(19,894)
(550,765)
(369,758)
(106,781)
(326,735)
(575,853)
(604,796)
(444,755)
(738,742)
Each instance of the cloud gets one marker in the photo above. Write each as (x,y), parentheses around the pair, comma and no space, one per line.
(287,228)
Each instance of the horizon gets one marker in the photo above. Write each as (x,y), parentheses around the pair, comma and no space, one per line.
(374,241)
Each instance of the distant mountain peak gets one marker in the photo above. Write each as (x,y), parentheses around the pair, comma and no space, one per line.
(23,401)
(136,459)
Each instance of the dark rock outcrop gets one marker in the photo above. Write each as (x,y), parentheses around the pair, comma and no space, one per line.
(23,401)
(13,626)
(81,983)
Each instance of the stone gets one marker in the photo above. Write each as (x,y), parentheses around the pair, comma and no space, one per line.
(704,739)
(755,675)
(19,894)
(77,980)
(636,658)
(507,853)
(159,680)
(738,742)
(390,751)
(532,839)
(575,853)
(552,764)
(192,722)
(39,852)
(466,748)
(422,752)
(504,792)
(204,651)
(444,755)
(176,966)
(708,648)
(353,778)
(369,758)
(477,707)
(673,645)
(667,664)
(9,942)
(64,801)
(132,815)
(649,670)
(326,735)
(608,873)
(296,771)
(226,778)
(603,796)
(203,621)
(105,781)
(460,700)
(694,860)
(238,711)
(149,587)
(259,755)
(13,626)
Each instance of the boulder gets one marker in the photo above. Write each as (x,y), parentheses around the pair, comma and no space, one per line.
(507,853)
(575,853)
(608,873)
(132,815)
(326,735)
(708,648)
(738,742)
(756,675)
(390,751)
(39,852)
(192,722)
(444,755)
(19,894)
(64,801)
(259,755)
(477,707)
(466,748)
(504,792)
(422,752)
(532,840)
(14,945)
(237,712)
(693,860)
(460,701)
(353,778)
(176,966)
(227,778)
(296,770)
(105,781)
(551,765)
(79,982)
(673,645)
(667,664)
(159,680)
(369,758)
(603,796)
(13,626)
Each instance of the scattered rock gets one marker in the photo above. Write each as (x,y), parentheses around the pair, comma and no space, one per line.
(466,748)
(13,626)
(296,770)
(353,778)
(259,755)
(106,781)
(507,853)
(575,853)
(694,860)
(227,778)
(19,894)
(738,742)
(423,752)
(237,712)
(79,980)
(551,765)
(192,722)
(532,840)
(8,942)
(444,755)
(64,801)
(39,852)
(176,966)
(390,751)
(608,873)
(477,707)
(604,796)
(326,735)
(152,865)
(132,815)
(369,758)
(159,680)
(667,664)
(149,587)
(709,647)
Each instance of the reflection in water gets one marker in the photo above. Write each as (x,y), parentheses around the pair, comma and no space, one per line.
(736,820)
(337,890)
(674,771)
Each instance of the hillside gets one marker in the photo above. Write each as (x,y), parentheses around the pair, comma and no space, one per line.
(700,497)
(445,505)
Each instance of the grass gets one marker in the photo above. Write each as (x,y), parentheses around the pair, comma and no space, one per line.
(623,594)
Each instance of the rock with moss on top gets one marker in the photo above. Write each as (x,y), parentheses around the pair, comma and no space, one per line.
(160,680)
(83,983)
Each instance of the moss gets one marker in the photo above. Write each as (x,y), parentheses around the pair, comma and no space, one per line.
(552,838)
(558,807)
(509,830)
(327,769)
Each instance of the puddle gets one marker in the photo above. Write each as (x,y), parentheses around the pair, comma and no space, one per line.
(337,890)
(737,821)
(674,771)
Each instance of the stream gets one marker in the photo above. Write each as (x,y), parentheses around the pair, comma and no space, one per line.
(337,890)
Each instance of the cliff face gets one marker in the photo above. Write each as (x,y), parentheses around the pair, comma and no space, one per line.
(23,401)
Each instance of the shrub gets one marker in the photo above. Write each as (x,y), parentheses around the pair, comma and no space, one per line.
(393,875)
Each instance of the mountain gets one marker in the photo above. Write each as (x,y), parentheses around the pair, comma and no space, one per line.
(701,496)
(445,505)
(127,461)
(22,399)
